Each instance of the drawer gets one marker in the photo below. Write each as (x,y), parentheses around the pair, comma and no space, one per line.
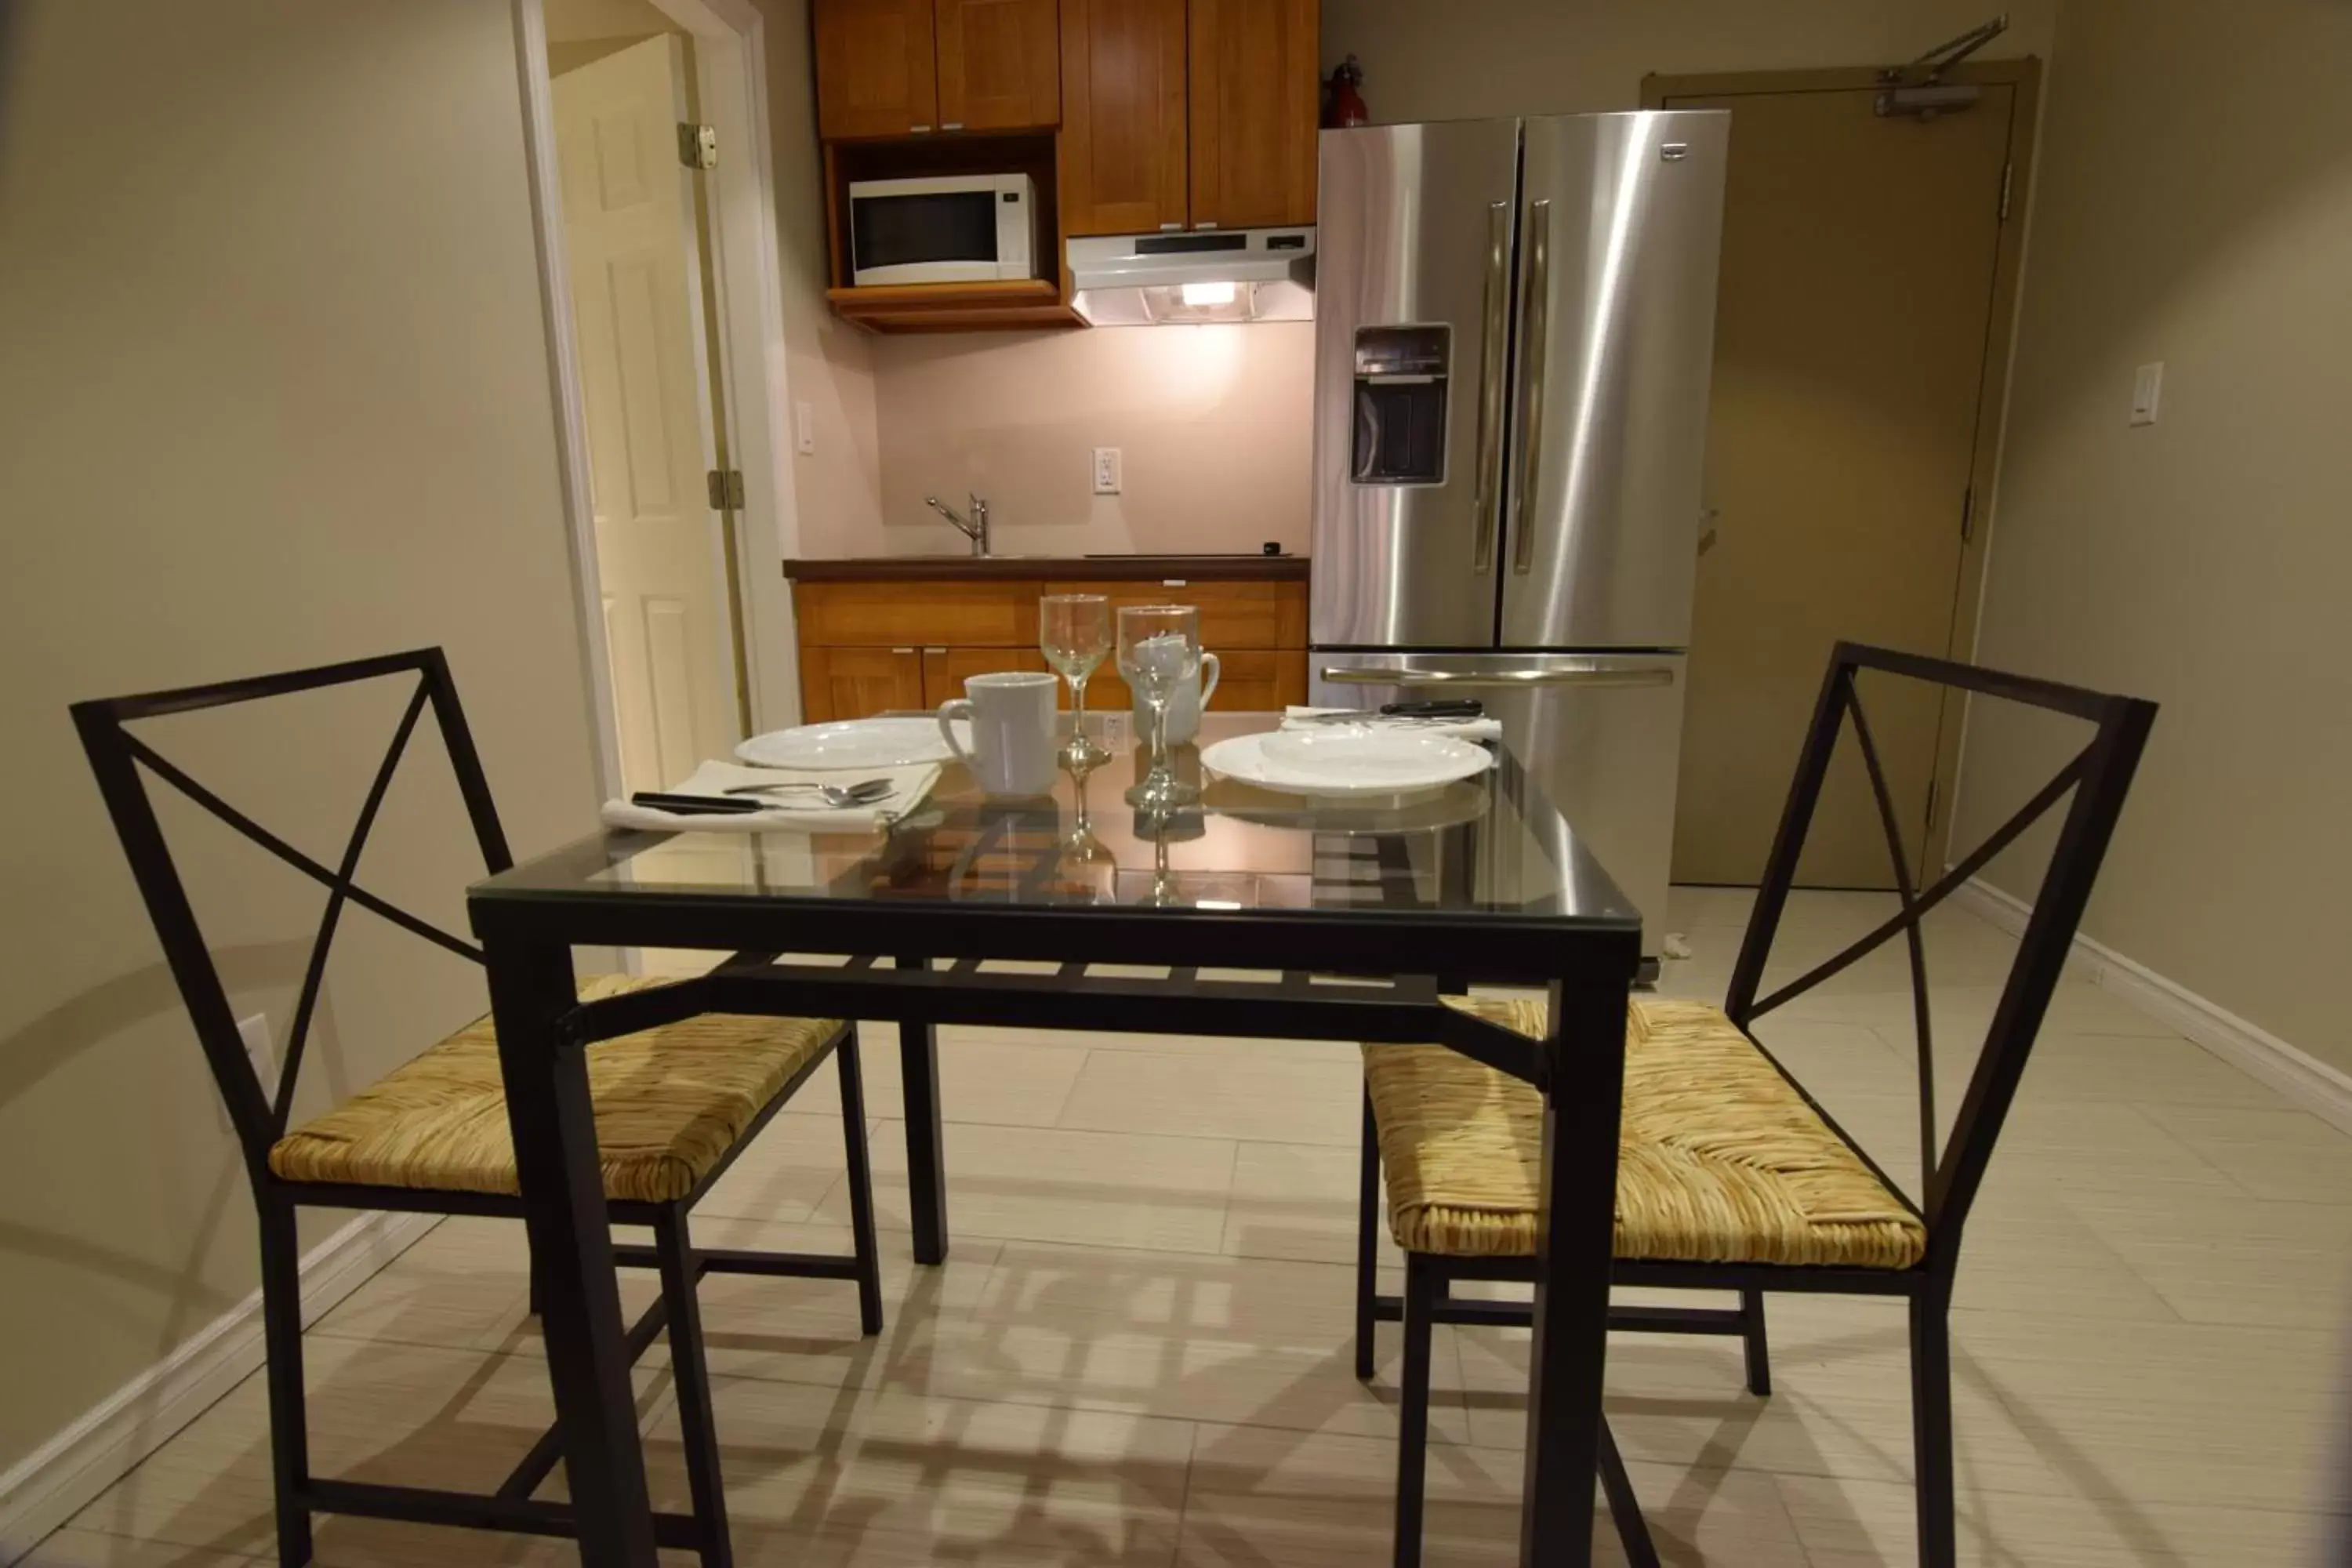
(898,615)
(1250,680)
(1232,615)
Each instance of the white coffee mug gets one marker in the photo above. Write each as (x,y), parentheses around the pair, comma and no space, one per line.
(1184,707)
(1012,716)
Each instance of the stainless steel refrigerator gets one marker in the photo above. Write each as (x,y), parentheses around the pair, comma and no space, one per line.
(1514,326)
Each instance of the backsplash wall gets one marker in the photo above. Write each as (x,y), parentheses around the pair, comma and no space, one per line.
(1214,424)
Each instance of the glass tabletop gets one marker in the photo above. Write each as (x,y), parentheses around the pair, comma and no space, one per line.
(1491,846)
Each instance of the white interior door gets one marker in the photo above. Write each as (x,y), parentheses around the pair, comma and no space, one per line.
(636,306)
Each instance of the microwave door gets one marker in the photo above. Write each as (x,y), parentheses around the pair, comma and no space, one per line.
(958,229)
(1622,223)
(1412,315)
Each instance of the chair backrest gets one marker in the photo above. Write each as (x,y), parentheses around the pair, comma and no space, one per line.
(2098,777)
(121,761)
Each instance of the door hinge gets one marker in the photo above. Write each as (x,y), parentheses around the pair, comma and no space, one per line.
(1967,512)
(1931,803)
(2006,171)
(726,489)
(697,146)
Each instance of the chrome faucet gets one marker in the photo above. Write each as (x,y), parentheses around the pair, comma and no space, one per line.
(974,528)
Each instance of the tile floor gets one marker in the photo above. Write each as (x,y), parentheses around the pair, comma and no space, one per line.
(1138,1353)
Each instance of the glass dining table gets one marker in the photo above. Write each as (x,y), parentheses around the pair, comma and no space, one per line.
(1246,913)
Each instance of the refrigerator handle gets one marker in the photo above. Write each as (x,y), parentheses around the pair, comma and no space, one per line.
(1535,332)
(1493,351)
(1500,680)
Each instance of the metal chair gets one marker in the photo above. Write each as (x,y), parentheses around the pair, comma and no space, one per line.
(1731,1176)
(678,1094)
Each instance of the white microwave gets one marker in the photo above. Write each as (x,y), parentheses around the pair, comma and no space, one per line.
(957,228)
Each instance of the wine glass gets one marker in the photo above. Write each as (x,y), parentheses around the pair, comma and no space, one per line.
(1159,651)
(1073,633)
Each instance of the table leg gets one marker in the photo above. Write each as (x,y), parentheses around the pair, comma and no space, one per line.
(927,1170)
(1574,1247)
(554,1127)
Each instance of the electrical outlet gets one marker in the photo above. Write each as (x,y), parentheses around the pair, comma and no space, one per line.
(805,428)
(253,1030)
(1107,470)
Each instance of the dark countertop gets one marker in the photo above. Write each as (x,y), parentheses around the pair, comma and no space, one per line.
(1062,568)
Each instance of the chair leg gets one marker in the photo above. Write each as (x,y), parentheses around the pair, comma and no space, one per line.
(861,1185)
(1931,1431)
(1421,1290)
(1368,1242)
(281,1325)
(1751,1334)
(674,1245)
(1624,1508)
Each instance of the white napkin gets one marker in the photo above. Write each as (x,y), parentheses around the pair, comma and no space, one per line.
(792,810)
(1483,728)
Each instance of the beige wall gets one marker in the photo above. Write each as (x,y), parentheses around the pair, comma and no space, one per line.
(275,394)
(2194,207)
(828,362)
(1432,61)
(1212,424)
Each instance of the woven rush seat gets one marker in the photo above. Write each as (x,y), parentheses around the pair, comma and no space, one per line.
(670,1102)
(1720,1159)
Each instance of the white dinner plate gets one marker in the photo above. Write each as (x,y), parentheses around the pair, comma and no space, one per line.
(1342,761)
(854,744)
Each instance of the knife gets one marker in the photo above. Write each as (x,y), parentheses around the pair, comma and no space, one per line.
(696,805)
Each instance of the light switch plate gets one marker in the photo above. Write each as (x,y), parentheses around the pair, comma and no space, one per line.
(1107,468)
(2148,390)
(805,428)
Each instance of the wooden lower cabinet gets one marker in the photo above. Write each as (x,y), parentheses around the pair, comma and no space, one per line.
(854,682)
(1249,680)
(862,651)
(945,669)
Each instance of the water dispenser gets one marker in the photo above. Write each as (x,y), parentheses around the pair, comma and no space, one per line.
(1401,381)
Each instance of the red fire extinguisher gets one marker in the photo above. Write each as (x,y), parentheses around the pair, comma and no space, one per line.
(1343,105)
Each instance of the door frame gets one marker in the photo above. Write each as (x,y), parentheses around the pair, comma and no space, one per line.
(2023,74)
(746,302)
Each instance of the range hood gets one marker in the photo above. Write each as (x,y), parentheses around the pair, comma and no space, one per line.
(1185,280)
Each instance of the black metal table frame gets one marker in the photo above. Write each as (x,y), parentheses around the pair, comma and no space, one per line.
(1587,965)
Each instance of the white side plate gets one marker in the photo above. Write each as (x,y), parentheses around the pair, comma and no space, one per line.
(1345,762)
(853,743)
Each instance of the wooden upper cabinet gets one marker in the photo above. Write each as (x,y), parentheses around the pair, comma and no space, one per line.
(874,71)
(1254,101)
(1123,115)
(1000,65)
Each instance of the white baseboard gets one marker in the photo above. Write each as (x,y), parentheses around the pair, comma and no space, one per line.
(2323,1090)
(57,1479)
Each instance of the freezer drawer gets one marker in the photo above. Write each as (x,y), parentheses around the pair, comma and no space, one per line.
(1601,734)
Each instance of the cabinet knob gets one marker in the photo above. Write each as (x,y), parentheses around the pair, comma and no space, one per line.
(918,130)
(951,124)
(902,650)
(935,650)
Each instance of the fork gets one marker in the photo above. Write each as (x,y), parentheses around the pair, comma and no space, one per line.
(865,792)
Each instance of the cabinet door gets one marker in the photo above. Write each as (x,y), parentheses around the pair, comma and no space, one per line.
(859,682)
(999,64)
(1254,101)
(874,69)
(945,669)
(1122,116)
